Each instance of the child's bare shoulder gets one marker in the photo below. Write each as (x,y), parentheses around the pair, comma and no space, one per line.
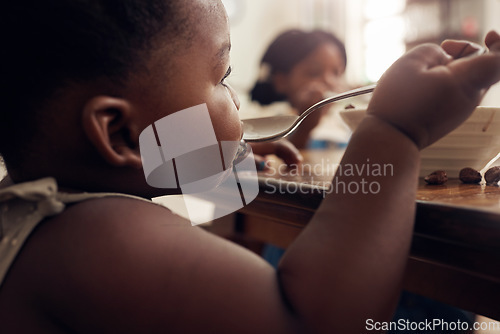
(111,223)
(92,253)
(129,260)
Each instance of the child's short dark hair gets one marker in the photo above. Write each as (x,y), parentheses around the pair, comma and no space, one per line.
(48,44)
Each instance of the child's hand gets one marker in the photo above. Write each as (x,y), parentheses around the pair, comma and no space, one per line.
(317,90)
(309,95)
(283,149)
(427,92)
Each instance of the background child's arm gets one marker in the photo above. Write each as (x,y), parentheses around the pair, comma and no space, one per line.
(311,94)
(283,149)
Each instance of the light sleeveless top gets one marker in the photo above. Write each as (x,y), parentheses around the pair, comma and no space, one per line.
(23,206)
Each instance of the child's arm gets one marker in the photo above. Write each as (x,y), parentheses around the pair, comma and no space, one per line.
(135,268)
(283,149)
(361,241)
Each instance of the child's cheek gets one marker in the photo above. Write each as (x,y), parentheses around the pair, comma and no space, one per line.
(225,119)
(227,127)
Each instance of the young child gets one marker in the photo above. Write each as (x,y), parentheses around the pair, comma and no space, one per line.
(301,67)
(81,80)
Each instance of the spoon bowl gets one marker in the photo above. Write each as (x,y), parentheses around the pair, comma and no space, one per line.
(265,128)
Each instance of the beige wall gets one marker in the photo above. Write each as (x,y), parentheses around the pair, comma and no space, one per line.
(492,21)
(262,21)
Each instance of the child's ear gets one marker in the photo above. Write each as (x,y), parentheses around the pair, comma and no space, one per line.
(108,124)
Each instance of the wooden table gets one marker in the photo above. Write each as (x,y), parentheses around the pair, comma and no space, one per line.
(455,255)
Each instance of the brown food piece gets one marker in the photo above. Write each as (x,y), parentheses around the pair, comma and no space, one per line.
(436,178)
(492,175)
(469,175)
(350,106)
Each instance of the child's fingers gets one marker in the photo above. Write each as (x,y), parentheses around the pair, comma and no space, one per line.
(459,49)
(288,152)
(478,72)
(260,162)
(492,41)
(316,86)
(425,57)
(283,149)
(308,101)
(313,92)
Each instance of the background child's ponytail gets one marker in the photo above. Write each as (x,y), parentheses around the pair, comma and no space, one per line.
(264,93)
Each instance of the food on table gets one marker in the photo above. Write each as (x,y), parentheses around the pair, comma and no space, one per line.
(492,175)
(436,178)
(470,175)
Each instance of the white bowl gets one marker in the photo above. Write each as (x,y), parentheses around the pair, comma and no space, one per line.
(473,144)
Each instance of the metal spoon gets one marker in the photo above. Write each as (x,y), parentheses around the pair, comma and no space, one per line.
(277,127)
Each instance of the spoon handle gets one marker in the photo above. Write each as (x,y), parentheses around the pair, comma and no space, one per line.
(356,92)
(370,88)
(329,100)
(338,97)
